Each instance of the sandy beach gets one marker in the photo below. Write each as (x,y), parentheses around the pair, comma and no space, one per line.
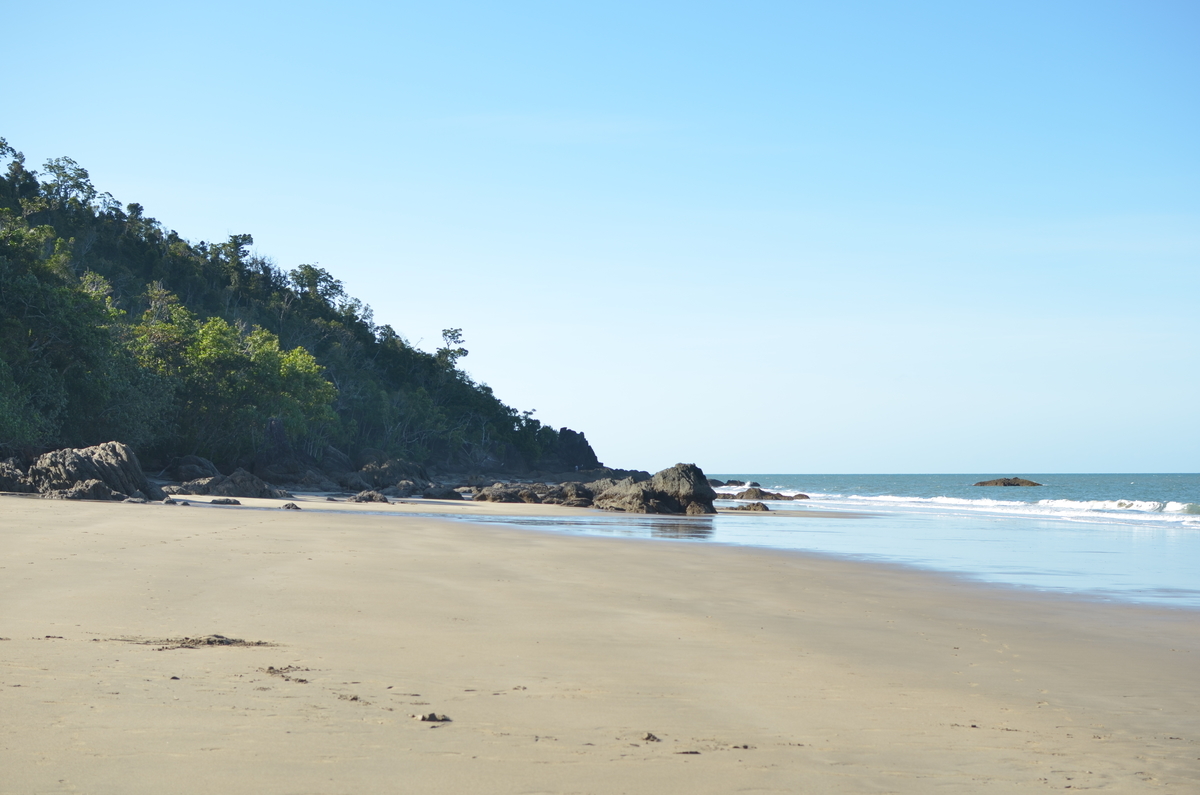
(564,664)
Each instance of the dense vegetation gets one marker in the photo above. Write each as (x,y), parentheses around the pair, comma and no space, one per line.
(115,327)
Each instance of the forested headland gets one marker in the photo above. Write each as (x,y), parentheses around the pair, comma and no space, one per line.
(114,327)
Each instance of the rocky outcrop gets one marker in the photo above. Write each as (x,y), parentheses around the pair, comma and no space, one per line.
(70,471)
(572,495)
(501,492)
(753,506)
(441,493)
(1008,482)
(574,451)
(87,490)
(189,467)
(239,484)
(369,496)
(716,483)
(404,488)
(759,494)
(393,470)
(314,480)
(12,477)
(682,489)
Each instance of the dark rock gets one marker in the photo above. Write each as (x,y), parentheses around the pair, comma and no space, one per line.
(686,484)
(550,494)
(369,496)
(753,484)
(335,462)
(499,493)
(1008,482)
(369,455)
(314,480)
(759,494)
(190,467)
(717,483)
(735,483)
(85,490)
(393,470)
(12,477)
(113,464)
(405,488)
(574,451)
(240,484)
(352,481)
(290,506)
(682,489)
(577,495)
(753,506)
(441,493)
(224,501)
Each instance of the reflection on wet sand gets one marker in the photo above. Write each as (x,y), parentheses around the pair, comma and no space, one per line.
(691,528)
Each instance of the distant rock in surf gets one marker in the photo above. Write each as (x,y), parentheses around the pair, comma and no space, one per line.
(1007,482)
(759,494)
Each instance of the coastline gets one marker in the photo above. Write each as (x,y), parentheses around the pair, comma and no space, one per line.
(553,655)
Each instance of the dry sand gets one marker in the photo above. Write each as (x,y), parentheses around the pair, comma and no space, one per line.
(554,657)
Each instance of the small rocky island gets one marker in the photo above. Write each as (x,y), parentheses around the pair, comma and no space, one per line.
(1007,482)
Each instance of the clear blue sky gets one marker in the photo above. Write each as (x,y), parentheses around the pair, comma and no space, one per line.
(772,237)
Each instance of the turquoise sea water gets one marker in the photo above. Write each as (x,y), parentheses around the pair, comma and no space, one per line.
(1129,538)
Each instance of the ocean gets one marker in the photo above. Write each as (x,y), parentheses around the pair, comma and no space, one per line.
(1126,538)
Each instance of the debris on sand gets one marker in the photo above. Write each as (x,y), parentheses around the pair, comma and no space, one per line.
(169,644)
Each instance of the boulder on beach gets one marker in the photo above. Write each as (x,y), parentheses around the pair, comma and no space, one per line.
(368,496)
(682,489)
(404,488)
(12,477)
(570,494)
(239,484)
(752,506)
(190,467)
(69,471)
(85,490)
(441,493)
(1007,482)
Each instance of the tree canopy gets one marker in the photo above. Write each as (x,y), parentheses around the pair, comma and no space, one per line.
(113,326)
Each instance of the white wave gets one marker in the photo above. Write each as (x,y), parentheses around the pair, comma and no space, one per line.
(1124,511)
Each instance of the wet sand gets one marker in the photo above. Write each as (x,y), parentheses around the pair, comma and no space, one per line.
(554,657)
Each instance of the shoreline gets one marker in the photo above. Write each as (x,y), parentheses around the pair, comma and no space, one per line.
(841,675)
(574,522)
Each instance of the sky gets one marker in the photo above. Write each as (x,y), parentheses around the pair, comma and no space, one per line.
(757,236)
